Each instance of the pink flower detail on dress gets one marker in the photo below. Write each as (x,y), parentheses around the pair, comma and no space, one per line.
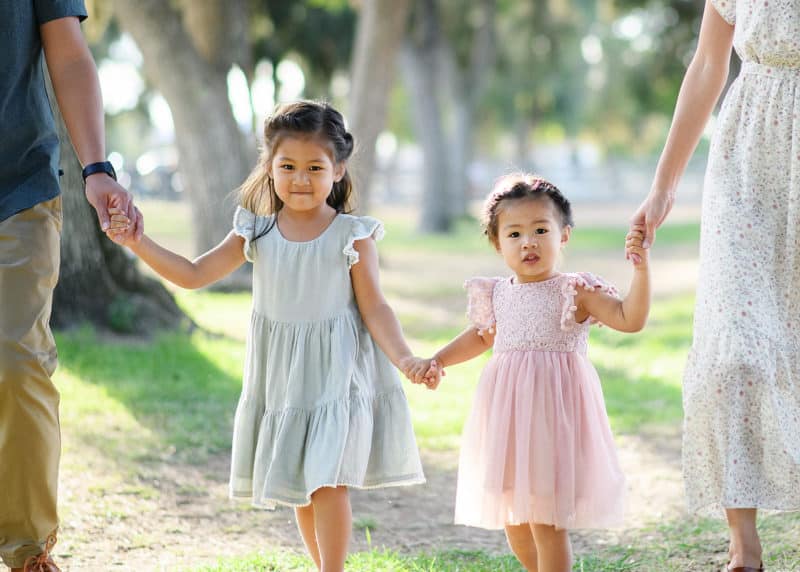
(589,282)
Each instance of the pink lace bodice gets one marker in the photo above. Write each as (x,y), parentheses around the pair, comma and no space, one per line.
(535,315)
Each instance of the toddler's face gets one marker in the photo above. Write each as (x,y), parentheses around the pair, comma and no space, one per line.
(304,172)
(530,237)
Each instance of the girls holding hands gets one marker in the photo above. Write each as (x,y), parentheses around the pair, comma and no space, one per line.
(322,408)
(537,456)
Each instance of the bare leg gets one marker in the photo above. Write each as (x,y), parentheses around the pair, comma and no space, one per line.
(333,522)
(745,549)
(305,523)
(553,548)
(520,540)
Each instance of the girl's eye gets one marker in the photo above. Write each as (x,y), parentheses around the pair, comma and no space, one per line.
(315,168)
(287,167)
(514,234)
(541,231)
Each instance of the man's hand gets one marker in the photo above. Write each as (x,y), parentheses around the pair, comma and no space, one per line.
(103,193)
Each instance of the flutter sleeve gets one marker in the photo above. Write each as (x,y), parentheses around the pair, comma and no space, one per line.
(248,225)
(362,227)
(587,281)
(726,9)
(480,309)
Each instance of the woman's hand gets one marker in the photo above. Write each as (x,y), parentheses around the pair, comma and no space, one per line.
(652,213)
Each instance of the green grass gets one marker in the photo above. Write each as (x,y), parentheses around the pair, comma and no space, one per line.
(376,561)
(176,391)
(694,545)
(467,238)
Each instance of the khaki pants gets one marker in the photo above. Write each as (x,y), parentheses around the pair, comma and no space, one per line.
(30,439)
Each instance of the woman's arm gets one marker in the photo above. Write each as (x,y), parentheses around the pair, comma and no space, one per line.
(700,90)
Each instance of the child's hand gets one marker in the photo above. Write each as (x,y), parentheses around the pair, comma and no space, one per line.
(634,250)
(413,368)
(417,370)
(434,375)
(121,228)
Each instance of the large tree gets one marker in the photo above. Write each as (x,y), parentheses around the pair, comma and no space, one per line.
(422,55)
(447,59)
(189,48)
(99,281)
(381,26)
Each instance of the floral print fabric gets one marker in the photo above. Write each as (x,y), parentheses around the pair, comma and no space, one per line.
(742,381)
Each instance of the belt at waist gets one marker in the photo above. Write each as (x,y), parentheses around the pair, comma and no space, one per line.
(750,68)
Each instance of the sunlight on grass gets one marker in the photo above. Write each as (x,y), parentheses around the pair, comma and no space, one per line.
(642,373)
(376,561)
(178,390)
(692,544)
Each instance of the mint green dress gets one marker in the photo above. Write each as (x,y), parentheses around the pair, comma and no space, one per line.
(321,404)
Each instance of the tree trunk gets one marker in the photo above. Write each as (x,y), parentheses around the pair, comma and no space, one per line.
(99,281)
(381,25)
(421,58)
(523,127)
(214,158)
(466,88)
(462,145)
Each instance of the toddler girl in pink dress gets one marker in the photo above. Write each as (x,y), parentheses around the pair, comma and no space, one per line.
(537,455)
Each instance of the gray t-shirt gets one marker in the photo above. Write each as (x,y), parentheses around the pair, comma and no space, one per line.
(28,138)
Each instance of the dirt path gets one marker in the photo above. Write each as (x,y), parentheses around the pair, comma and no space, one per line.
(171,516)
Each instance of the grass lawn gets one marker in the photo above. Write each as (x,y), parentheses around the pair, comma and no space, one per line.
(174,394)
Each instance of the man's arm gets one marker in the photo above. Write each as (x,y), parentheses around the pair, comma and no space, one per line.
(77,90)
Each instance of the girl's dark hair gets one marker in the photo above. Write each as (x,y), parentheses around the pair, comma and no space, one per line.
(520,186)
(313,119)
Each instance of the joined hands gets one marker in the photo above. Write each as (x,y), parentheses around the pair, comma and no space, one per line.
(423,371)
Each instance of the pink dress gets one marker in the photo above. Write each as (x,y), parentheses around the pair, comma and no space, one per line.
(537,446)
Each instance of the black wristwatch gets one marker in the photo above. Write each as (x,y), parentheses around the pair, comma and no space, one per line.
(102,167)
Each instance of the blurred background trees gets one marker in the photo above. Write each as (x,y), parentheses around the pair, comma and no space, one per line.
(442,95)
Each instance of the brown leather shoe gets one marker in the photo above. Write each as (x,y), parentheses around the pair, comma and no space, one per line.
(43,562)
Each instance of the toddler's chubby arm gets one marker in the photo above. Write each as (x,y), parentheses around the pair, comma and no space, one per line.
(378,316)
(207,268)
(470,343)
(630,313)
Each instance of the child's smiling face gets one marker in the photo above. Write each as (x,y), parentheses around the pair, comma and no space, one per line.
(303,172)
(530,236)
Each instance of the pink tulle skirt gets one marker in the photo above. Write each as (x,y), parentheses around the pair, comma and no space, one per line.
(537,446)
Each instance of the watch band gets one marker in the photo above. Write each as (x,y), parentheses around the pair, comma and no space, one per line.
(101,167)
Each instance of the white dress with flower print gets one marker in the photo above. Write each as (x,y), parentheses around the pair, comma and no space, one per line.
(742,382)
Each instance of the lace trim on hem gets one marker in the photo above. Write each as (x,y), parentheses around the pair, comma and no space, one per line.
(271,504)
